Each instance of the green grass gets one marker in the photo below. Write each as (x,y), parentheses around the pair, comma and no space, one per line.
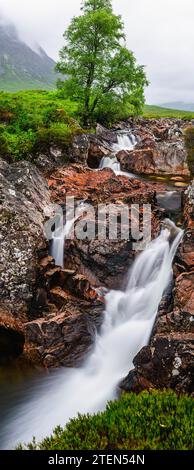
(34,120)
(158,112)
(157,420)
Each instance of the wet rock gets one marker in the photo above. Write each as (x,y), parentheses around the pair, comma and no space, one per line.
(89,149)
(161,148)
(106,134)
(24,194)
(171,158)
(98,148)
(163,159)
(167,362)
(79,149)
(65,338)
(137,161)
(55,157)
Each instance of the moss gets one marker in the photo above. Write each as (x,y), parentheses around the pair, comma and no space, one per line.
(157,420)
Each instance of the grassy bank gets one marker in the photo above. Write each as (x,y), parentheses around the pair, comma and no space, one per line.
(157,420)
(33,120)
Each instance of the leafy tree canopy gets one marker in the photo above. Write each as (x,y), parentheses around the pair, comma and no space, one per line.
(100,71)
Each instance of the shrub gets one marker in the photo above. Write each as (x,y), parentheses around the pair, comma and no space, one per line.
(189,140)
(4,144)
(57,134)
(156,421)
(35,119)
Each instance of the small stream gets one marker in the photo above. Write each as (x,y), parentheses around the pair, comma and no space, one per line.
(33,402)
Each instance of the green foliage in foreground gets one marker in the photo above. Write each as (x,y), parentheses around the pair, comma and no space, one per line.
(157,420)
(189,140)
(33,120)
(157,112)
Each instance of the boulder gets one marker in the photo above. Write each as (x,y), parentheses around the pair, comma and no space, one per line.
(78,152)
(106,134)
(98,148)
(167,363)
(64,338)
(163,158)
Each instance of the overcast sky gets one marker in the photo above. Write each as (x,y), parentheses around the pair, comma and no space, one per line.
(159,32)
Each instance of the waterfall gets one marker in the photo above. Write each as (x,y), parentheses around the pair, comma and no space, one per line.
(58,242)
(125,142)
(127,326)
(61,234)
(110,162)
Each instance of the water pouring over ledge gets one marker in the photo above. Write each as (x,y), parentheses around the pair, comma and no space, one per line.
(127,326)
(126,141)
(60,234)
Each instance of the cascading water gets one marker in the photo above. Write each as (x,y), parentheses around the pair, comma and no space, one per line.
(125,142)
(58,242)
(127,326)
(110,162)
(61,234)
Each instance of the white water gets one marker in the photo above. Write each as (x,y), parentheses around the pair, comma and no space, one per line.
(127,326)
(125,142)
(110,162)
(61,234)
(58,242)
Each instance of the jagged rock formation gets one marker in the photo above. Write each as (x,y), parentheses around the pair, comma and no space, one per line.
(55,311)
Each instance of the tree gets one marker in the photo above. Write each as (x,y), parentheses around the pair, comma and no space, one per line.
(99,69)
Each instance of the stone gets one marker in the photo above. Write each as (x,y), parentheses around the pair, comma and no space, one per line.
(78,152)
(106,134)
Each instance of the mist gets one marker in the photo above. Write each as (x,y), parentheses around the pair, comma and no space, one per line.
(160,34)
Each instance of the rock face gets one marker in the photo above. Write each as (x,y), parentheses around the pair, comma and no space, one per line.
(38,311)
(49,313)
(168,360)
(161,150)
(24,194)
(64,332)
(104,261)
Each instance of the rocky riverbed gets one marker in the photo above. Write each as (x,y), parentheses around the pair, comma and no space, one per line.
(51,313)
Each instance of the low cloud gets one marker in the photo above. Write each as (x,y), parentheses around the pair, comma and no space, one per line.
(160,33)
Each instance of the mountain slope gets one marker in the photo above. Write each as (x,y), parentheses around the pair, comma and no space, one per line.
(156,112)
(20,66)
(179,105)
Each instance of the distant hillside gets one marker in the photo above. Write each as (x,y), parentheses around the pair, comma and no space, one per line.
(180,105)
(20,66)
(152,111)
